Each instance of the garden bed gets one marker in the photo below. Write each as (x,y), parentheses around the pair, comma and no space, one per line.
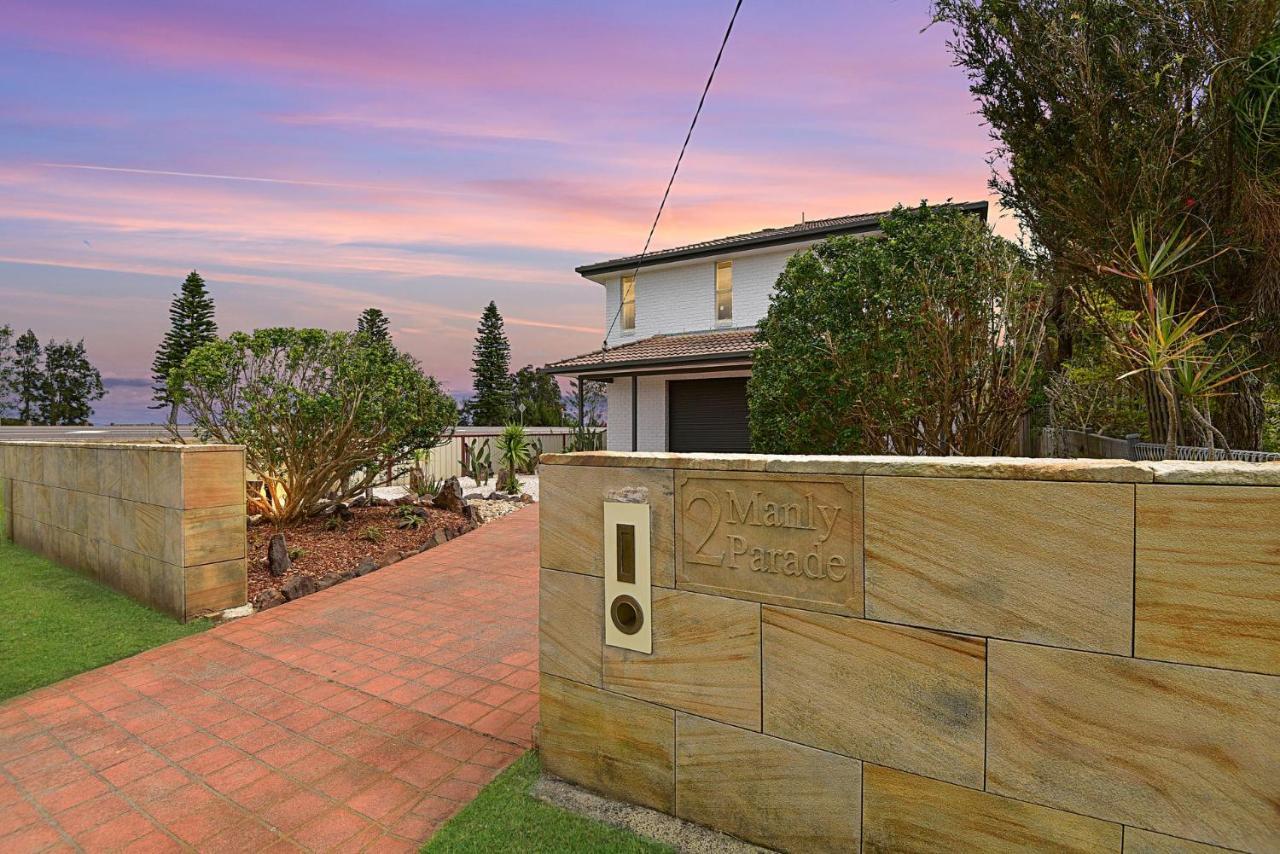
(325,551)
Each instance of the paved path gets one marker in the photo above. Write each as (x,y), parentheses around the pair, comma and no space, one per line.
(356,719)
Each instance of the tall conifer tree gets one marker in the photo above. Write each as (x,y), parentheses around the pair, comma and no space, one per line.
(191,324)
(490,369)
(374,323)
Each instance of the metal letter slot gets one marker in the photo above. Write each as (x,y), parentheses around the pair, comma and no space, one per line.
(627,554)
(627,593)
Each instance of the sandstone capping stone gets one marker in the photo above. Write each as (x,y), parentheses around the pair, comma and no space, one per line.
(1038,561)
(1187,751)
(1208,576)
(705,660)
(765,790)
(991,468)
(1222,472)
(571,625)
(906,812)
(616,745)
(908,698)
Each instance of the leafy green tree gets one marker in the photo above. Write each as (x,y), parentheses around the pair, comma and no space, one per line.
(6,371)
(191,324)
(71,384)
(28,377)
(322,419)
(1110,112)
(586,402)
(375,324)
(490,369)
(925,341)
(538,402)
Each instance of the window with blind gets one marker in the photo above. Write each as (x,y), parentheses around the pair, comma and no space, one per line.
(724,291)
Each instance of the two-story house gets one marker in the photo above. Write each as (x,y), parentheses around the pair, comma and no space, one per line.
(680,333)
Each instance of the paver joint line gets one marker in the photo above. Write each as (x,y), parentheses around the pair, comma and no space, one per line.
(362,716)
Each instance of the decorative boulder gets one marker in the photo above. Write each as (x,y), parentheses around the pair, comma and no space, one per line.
(298,586)
(450,497)
(366,566)
(278,562)
(268,598)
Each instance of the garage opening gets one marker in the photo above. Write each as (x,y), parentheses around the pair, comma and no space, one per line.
(708,415)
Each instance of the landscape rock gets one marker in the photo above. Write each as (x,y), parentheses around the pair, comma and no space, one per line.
(366,566)
(324,582)
(343,512)
(441,537)
(388,557)
(268,598)
(298,586)
(450,497)
(278,562)
(526,498)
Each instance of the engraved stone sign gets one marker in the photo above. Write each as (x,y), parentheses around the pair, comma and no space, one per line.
(784,539)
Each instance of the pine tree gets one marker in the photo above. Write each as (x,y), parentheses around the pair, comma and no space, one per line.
(375,324)
(71,384)
(191,324)
(491,405)
(28,377)
(7,379)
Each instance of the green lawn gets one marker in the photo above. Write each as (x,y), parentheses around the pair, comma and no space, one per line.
(55,623)
(505,817)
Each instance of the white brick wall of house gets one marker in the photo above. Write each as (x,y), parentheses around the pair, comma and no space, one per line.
(681,297)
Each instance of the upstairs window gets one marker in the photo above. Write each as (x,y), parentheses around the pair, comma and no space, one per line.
(628,302)
(724,291)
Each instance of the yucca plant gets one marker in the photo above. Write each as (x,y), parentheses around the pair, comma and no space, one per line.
(1170,346)
(513,451)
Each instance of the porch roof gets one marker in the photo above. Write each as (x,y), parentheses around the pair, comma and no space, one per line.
(731,346)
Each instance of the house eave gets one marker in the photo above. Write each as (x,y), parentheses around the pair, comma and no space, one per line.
(755,241)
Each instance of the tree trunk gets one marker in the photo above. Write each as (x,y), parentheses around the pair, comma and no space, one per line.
(1241,414)
(1158,411)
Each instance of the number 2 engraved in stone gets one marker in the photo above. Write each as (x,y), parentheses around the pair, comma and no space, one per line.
(713,502)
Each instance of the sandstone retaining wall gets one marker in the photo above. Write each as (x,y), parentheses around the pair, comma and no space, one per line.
(164,524)
(926,655)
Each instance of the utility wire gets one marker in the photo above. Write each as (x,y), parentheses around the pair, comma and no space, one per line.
(653,228)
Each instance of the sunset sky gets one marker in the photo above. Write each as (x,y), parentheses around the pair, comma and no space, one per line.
(311,159)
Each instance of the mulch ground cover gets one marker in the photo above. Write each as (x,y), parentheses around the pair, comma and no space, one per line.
(320,548)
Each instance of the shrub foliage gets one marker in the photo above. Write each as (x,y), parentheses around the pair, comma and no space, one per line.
(322,415)
(924,341)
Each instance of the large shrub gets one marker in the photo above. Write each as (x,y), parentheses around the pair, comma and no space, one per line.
(924,341)
(322,415)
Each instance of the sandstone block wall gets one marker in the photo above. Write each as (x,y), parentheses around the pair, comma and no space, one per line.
(888,654)
(164,524)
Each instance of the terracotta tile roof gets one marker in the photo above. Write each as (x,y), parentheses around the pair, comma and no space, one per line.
(665,349)
(814,229)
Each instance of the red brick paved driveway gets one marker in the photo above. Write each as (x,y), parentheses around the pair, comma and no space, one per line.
(356,719)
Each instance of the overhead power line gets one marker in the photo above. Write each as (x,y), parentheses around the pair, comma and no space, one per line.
(675,171)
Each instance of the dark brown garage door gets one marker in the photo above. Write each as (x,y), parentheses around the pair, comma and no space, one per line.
(708,415)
